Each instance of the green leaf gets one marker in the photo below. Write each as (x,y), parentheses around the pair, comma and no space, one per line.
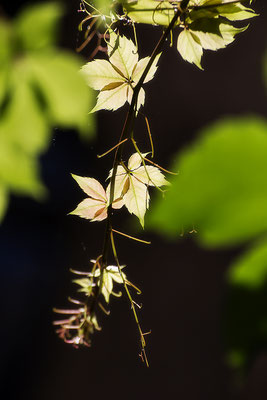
(100,73)
(112,99)
(149,11)
(64,90)
(23,123)
(221,188)
(19,171)
(3,201)
(122,54)
(190,48)
(37,25)
(5,55)
(232,11)
(250,270)
(136,199)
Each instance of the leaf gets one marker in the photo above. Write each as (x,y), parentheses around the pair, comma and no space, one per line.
(91,187)
(23,123)
(190,48)
(221,188)
(136,199)
(37,25)
(3,201)
(140,67)
(231,11)
(5,56)
(92,209)
(250,270)
(5,42)
(149,11)
(99,73)
(19,171)
(123,54)
(112,99)
(64,90)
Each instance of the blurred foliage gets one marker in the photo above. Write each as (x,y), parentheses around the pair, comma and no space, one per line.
(40,87)
(221,186)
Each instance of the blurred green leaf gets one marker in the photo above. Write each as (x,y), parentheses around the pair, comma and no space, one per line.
(37,25)
(3,201)
(5,42)
(24,123)
(68,98)
(250,270)
(19,171)
(221,188)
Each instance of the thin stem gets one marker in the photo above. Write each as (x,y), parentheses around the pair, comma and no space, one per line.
(143,342)
(112,148)
(130,237)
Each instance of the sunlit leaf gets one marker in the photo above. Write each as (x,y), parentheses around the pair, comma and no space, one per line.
(91,187)
(149,11)
(132,184)
(99,73)
(117,78)
(123,54)
(190,48)
(137,198)
(221,187)
(95,207)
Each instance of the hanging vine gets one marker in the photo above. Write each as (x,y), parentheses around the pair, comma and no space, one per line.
(202,25)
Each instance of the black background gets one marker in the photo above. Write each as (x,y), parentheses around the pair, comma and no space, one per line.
(184,289)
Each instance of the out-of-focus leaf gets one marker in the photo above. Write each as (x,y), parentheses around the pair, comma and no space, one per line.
(5,41)
(265,69)
(250,270)
(67,96)
(24,124)
(19,171)
(3,200)
(37,25)
(221,187)
(5,54)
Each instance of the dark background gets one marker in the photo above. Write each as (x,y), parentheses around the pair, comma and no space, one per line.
(185,297)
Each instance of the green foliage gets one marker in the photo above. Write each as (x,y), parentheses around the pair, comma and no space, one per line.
(221,187)
(250,270)
(40,87)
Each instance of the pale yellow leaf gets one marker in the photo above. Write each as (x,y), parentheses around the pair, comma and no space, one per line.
(112,99)
(140,67)
(122,53)
(100,73)
(137,199)
(151,176)
(92,209)
(91,187)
